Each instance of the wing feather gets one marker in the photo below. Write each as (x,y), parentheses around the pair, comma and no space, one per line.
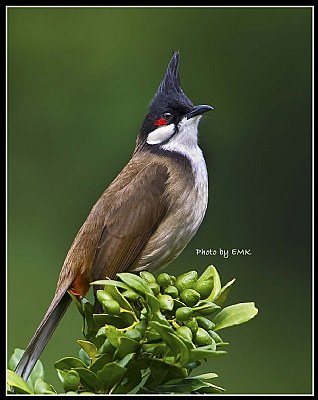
(136,210)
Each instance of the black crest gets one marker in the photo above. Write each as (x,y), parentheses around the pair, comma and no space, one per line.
(169,92)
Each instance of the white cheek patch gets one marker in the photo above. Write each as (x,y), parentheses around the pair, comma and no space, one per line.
(161,134)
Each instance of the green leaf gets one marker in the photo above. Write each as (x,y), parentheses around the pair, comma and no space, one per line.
(132,379)
(126,346)
(159,371)
(113,335)
(210,388)
(84,357)
(61,374)
(216,283)
(79,306)
(102,331)
(101,362)
(37,372)
(77,303)
(88,379)
(89,348)
(93,337)
(135,282)
(153,303)
(110,319)
(106,348)
(68,363)
(155,348)
(162,372)
(206,274)
(15,358)
(199,386)
(110,282)
(203,352)
(18,384)
(152,335)
(195,384)
(205,308)
(209,375)
(220,299)
(185,386)
(176,345)
(88,311)
(133,376)
(234,315)
(126,359)
(111,375)
(182,386)
(41,387)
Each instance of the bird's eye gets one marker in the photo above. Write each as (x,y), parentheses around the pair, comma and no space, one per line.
(167,116)
(164,120)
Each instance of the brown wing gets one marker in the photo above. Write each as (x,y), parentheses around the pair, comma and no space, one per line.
(136,211)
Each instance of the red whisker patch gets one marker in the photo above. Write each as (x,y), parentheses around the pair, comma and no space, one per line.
(160,122)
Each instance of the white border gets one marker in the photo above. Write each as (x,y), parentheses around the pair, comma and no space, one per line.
(313,195)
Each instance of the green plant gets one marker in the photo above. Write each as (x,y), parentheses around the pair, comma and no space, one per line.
(150,337)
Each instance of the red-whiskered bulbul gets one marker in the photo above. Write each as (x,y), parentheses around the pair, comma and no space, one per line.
(147,215)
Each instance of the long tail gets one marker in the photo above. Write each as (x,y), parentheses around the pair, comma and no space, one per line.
(43,334)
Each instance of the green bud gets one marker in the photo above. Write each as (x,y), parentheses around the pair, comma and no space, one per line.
(192,324)
(163,279)
(111,307)
(185,332)
(186,281)
(134,334)
(173,279)
(155,288)
(71,381)
(148,277)
(202,338)
(215,336)
(102,296)
(189,297)
(90,393)
(130,295)
(204,287)
(172,291)
(205,323)
(166,302)
(184,313)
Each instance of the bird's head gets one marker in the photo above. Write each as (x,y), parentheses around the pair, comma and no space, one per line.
(172,115)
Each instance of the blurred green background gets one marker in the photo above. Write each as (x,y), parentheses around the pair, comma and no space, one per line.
(79,83)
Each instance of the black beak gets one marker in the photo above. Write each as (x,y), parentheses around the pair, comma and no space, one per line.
(198,110)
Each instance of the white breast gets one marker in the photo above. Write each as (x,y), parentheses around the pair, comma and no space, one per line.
(188,209)
(186,143)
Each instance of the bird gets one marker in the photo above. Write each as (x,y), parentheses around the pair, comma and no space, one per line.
(146,216)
